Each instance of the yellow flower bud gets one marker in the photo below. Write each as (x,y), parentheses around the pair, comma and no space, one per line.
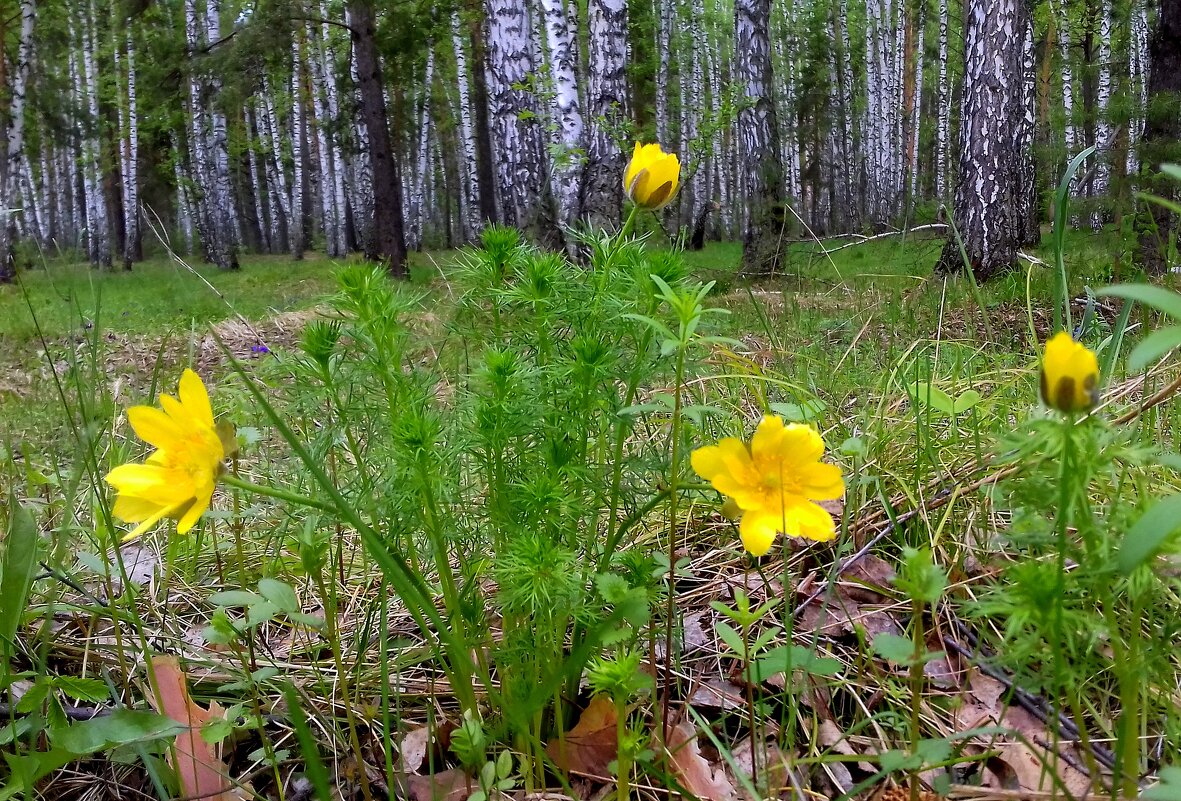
(1070,375)
(652,176)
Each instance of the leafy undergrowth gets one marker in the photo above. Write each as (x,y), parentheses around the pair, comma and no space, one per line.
(461,550)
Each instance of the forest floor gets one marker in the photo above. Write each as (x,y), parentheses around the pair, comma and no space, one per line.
(967,689)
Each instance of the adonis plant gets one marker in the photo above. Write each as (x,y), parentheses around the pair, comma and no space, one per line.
(517,497)
(525,517)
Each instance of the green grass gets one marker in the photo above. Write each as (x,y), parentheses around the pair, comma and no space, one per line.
(431,374)
(160,294)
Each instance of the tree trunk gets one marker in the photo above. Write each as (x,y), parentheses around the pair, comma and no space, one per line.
(297,223)
(1028,220)
(763,247)
(1138,58)
(986,195)
(943,126)
(97,222)
(469,164)
(562,43)
(388,243)
(1101,181)
(524,199)
(486,168)
(9,170)
(1162,137)
(134,249)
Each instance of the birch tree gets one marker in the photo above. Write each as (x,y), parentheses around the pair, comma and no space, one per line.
(607,93)
(15,139)
(523,199)
(988,182)
(562,46)
(762,241)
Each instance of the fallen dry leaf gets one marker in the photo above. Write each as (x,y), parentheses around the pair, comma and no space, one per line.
(199,770)
(868,580)
(590,746)
(447,785)
(691,769)
(717,694)
(412,749)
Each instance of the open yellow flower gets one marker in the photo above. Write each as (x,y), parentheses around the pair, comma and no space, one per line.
(1070,375)
(652,176)
(178,478)
(774,482)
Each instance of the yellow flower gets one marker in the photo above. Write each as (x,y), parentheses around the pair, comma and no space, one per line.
(652,176)
(774,482)
(177,479)
(1070,375)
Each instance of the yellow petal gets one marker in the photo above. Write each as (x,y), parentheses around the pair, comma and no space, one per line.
(633,168)
(810,521)
(176,412)
(821,482)
(195,398)
(801,444)
(135,477)
(728,467)
(758,530)
(201,501)
(147,524)
(1069,375)
(131,509)
(767,442)
(155,427)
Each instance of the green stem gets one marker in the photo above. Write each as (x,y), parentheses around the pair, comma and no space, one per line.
(916,692)
(1062,526)
(674,480)
(231,480)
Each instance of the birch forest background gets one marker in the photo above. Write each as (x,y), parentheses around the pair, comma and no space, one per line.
(218,128)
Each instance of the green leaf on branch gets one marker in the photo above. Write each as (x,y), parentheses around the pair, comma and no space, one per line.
(1146,538)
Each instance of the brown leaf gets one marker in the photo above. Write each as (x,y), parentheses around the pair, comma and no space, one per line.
(863,578)
(590,746)
(692,771)
(717,694)
(199,770)
(412,749)
(1032,762)
(447,785)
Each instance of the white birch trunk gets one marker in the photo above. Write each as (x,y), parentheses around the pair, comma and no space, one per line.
(916,106)
(469,172)
(332,99)
(295,224)
(665,17)
(1103,128)
(10,175)
(184,210)
(567,109)
(943,126)
(607,110)
(225,212)
(517,132)
(1138,58)
(99,241)
(418,212)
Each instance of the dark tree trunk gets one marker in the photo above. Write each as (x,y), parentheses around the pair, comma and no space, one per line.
(763,246)
(990,191)
(388,243)
(602,184)
(252,226)
(485,166)
(1162,137)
